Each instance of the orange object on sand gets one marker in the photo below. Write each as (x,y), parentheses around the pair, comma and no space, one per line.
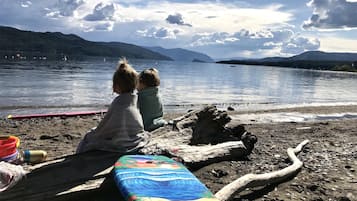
(8,145)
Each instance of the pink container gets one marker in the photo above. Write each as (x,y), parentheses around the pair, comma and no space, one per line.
(11,158)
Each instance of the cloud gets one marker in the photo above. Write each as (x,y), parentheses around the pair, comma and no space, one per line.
(283,41)
(177,19)
(28,15)
(217,28)
(101,12)
(26,4)
(66,8)
(332,14)
(162,33)
(98,26)
(62,8)
(83,15)
(244,39)
(211,16)
(298,44)
(217,38)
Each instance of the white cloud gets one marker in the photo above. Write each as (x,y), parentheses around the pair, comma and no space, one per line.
(83,16)
(98,26)
(299,44)
(279,42)
(159,32)
(206,39)
(26,4)
(66,8)
(227,18)
(244,38)
(332,14)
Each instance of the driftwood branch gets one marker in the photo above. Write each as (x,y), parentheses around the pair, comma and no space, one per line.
(254,180)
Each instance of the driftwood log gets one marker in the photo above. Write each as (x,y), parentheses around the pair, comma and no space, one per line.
(68,178)
(196,139)
(254,180)
(200,138)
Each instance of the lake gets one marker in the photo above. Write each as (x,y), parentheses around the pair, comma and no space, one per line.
(48,86)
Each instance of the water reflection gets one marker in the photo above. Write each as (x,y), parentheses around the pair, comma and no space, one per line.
(89,84)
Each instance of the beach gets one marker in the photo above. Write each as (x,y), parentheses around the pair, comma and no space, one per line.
(330,158)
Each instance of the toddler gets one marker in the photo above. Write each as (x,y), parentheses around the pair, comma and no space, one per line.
(149,100)
(121,129)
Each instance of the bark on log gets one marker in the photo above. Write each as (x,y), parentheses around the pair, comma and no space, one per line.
(254,180)
(200,138)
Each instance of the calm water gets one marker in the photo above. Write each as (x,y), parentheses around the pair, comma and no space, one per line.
(40,87)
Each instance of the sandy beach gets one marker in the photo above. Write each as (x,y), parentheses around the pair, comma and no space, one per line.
(330,158)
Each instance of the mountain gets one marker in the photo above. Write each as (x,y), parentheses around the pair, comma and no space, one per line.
(16,43)
(315,56)
(325,56)
(308,60)
(179,54)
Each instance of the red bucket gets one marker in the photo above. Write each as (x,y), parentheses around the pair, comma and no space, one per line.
(8,146)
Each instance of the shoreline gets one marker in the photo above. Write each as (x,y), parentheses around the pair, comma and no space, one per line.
(329,171)
(175,110)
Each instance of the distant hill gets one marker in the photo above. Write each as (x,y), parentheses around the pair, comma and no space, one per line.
(55,45)
(308,60)
(315,56)
(324,56)
(179,54)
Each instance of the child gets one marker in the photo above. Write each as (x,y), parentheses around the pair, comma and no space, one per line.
(121,129)
(149,101)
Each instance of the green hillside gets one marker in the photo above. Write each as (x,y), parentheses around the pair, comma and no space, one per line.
(17,44)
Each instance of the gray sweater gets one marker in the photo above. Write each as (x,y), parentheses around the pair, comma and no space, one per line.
(121,129)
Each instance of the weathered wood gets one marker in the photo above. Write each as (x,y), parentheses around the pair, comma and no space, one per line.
(198,156)
(253,180)
(200,138)
(53,180)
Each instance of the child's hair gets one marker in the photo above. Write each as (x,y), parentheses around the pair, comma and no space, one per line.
(125,77)
(150,77)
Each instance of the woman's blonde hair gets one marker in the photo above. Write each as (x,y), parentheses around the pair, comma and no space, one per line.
(150,77)
(125,77)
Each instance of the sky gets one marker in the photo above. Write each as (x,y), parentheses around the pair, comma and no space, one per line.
(220,28)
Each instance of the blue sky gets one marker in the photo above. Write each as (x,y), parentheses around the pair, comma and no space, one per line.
(220,29)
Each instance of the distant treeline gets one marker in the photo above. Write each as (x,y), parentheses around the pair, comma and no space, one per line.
(28,45)
(317,65)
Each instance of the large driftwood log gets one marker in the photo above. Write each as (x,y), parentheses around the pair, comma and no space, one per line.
(200,138)
(254,180)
